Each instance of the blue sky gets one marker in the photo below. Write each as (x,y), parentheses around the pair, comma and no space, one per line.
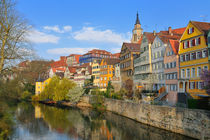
(62,27)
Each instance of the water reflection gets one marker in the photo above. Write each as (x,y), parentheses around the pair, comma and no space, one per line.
(39,121)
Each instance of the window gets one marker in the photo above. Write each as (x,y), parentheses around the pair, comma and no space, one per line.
(198,71)
(181,58)
(105,84)
(183,73)
(187,57)
(198,54)
(205,68)
(188,73)
(204,53)
(105,78)
(191,43)
(101,79)
(191,56)
(192,85)
(193,72)
(200,85)
(190,30)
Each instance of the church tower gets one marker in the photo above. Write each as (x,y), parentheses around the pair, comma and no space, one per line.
(137,31)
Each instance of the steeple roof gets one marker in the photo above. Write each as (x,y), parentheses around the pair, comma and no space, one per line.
(137,19)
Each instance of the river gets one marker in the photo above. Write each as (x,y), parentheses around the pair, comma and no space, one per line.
(42,122)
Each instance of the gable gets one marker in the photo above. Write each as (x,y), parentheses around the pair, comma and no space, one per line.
(196,32)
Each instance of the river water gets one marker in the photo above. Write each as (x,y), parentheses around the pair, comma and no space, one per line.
(42,122)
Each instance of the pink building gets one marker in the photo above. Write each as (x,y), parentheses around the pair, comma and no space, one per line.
(171,71)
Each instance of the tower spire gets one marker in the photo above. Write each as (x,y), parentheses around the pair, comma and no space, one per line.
(137,18)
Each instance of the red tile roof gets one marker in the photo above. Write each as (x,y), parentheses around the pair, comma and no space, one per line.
(203,26)
(165,38)
(150,37)
(58,69)
(178,31)
(133,47)
(117,55)
(72,69)
(77,56)
(174,45)
(97,51)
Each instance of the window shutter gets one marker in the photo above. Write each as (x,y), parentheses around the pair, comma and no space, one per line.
(188,44)
(189,57)
(194,85)
(193,41)
(192,29)
(183,57)
(190,85)
(188,31)
(183,46)
(199,40)
(200,54)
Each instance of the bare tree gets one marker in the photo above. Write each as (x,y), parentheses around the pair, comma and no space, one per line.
(13,31)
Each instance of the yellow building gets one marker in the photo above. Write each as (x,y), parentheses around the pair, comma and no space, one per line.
(193,58)
(40,85)
(106,71)
(96,72)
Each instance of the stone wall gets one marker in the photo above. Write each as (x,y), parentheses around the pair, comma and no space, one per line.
(193,123)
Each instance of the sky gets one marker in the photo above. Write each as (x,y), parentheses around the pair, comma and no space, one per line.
(63,27)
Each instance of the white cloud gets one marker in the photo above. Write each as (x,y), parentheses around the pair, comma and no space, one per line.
(115,50)
(40,37)
(67,51)
(57,29)
(105,36)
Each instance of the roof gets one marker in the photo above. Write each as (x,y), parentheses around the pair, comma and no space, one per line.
(203,26)
(77,56)
(58,69)
(139,42)
(133,47)
(150,37)
(174,45)
(111,61)
(117,55)
(23,64)
(59,63)
(72,69)
(165,38)
(178,31)
(98,52)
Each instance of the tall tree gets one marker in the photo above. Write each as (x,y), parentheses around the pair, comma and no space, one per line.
(14,45)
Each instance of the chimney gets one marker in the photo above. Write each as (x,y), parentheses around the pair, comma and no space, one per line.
(169,30)
(154,32)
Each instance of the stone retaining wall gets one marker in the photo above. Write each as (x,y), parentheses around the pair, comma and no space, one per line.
(194,123)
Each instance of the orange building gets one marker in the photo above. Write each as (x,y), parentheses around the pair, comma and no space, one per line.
(107,71)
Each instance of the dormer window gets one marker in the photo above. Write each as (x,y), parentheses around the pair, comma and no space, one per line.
(190,30)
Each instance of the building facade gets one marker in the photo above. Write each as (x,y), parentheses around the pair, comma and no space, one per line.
(95,54)
(96,72)
(40,85)
(116,80)
(107,71)
(73,60)
(128,52)
(193,53)
(142,64)
(171,71)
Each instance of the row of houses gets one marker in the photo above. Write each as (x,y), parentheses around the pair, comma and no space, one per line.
(169,61)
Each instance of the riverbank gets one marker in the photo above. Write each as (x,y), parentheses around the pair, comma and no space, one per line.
(192,123)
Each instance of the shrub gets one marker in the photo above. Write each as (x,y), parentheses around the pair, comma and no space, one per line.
(26,95)
(75,94)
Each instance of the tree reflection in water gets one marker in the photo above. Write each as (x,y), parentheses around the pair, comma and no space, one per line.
(42,121)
